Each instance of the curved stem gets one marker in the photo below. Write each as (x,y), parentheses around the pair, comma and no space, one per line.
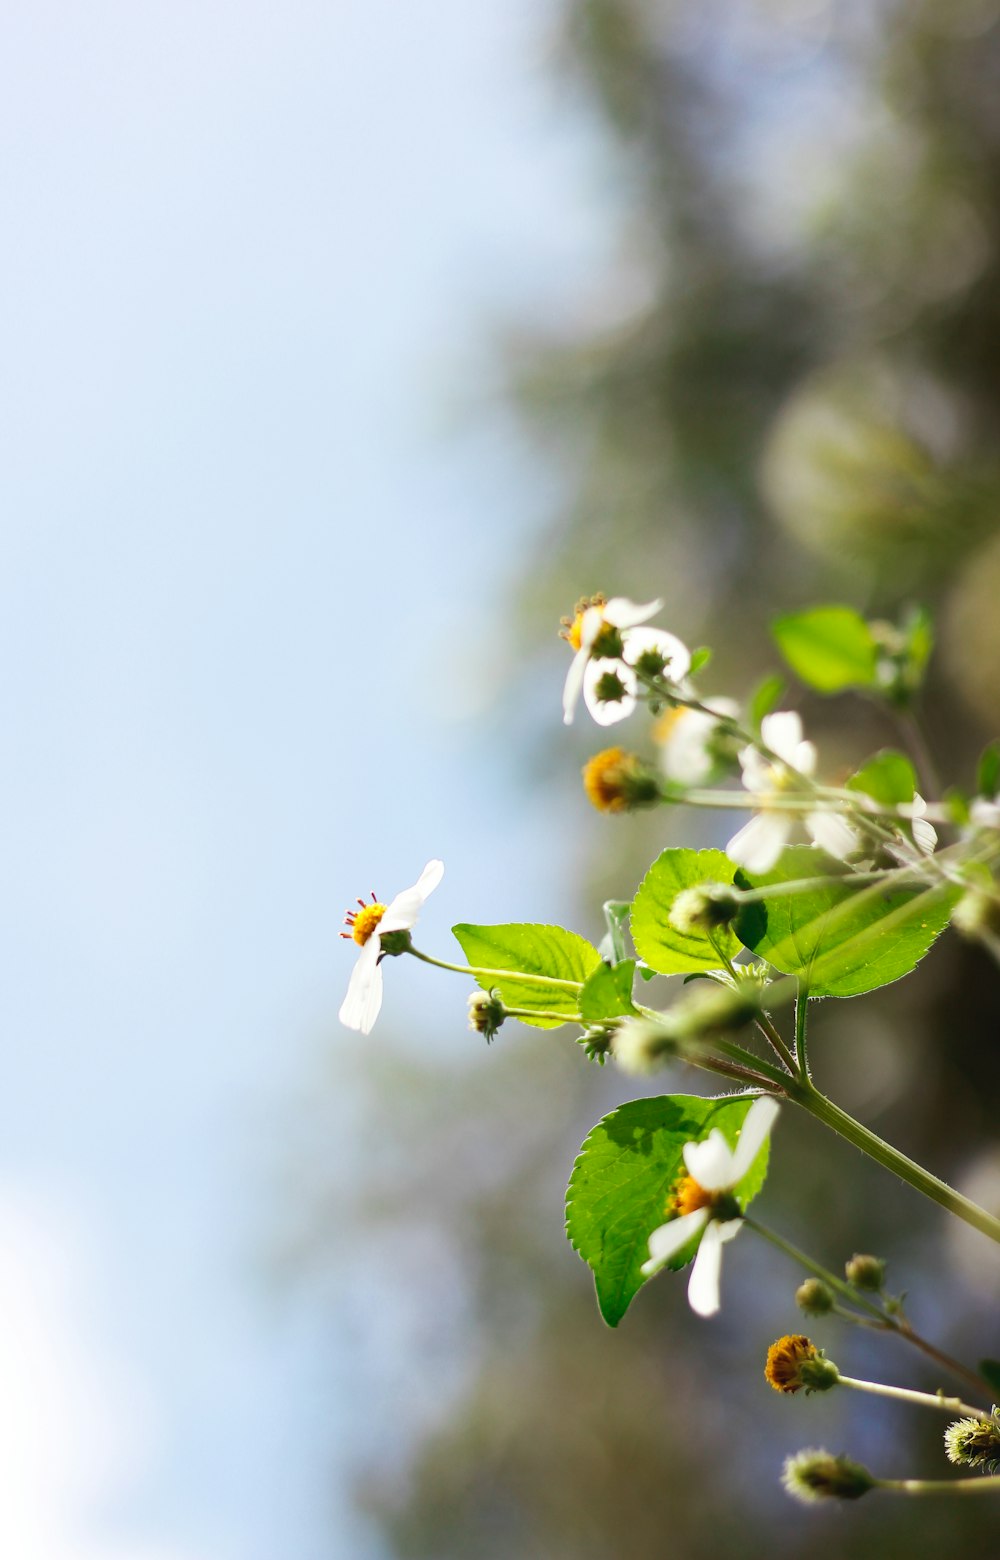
(815,1268)
(950,1405)
(801,1042)
(475,971)
(984,1486)
(806,1095)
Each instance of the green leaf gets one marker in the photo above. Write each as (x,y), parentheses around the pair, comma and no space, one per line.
(608,993)
(990,1372)
(612,946)
(841,939)
(988,773)
(520,948)
(765,698)
(621,1182)
(699,660)
(829,648)
(889,777)
(665,949)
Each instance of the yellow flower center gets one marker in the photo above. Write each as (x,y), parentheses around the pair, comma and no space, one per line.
(687,1197)
(603,776)
(785,1359)
(666,727)
(364,921)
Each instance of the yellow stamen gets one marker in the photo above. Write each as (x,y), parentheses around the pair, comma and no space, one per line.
(604,776)
(572,627)
(785,1359)
(687,1196)
(365,922)
(666,726)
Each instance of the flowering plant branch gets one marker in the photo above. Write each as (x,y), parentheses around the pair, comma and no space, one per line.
(824,891)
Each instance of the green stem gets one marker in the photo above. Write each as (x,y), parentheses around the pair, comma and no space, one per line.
(809,1098)
(559,1018)
(475,971)
(801,1040)
(940,1486)
(815,1268)
(950,1405)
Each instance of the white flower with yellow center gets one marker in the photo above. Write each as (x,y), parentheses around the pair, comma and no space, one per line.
(687,740)
(760,842)
(705,1203)
(610,650)
(368,926)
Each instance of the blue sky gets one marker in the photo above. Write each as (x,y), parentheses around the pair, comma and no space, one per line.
(246,565)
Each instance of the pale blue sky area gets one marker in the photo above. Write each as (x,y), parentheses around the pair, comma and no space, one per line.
(249,254)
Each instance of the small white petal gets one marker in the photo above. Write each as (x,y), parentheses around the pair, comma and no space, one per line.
(401,913)
(703,1287)
(782,733)
(608,712)
(832,834)
(760,1118)
(804,758)
(590,626)
(675,654)
(360,1008)
(924,834)
(625,614)
(758,772)
(985,814)
(710,1162)
(671,1237)
(573,685)
(760,842)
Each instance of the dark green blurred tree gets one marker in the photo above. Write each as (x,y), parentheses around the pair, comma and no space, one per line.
(799,401)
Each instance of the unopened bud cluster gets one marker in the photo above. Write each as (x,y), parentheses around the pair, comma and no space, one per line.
(975,1442)
(704,909)
(865,1272)
(617,781)
(795,1364)
(814,1297)
(486,1013)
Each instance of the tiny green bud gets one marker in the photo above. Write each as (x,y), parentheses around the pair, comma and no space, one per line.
(712,1010)
(486,1013)
(815,1474)
(703,908)
(865,1272)
(977,912)
(616,781)
(814,1297)
(642,1045)
(974,1442)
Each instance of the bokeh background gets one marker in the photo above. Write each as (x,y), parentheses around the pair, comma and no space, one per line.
(344,347)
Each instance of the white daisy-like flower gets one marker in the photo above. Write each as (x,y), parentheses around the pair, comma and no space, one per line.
(617,620)
(368,925)
(714,1170)
(760,842)
(686,740)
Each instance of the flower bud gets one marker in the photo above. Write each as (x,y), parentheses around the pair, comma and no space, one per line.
(642,1045)
(794,1362)
(616,781)
(486,1013)
(814,1297)
(974,1442)
(703,909)
(865,1272)
(815,1474)
(712,1011)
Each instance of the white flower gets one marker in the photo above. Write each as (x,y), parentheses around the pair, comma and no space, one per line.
(360,1008)
(714,1171)
(686,739)
(586,669)
(760,842)
(924,833)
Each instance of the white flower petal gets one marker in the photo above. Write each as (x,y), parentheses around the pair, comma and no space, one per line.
(985,814)
(608,712)
(401,913)
(360,1008)
(760,842)
(625,614)
(590,626)
(573,685)
(710,1162)
(924,833)
(760,1118)
(832,834)
(703,1287)
(782,733)
(675,654)
(758,772)
(669,1239)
